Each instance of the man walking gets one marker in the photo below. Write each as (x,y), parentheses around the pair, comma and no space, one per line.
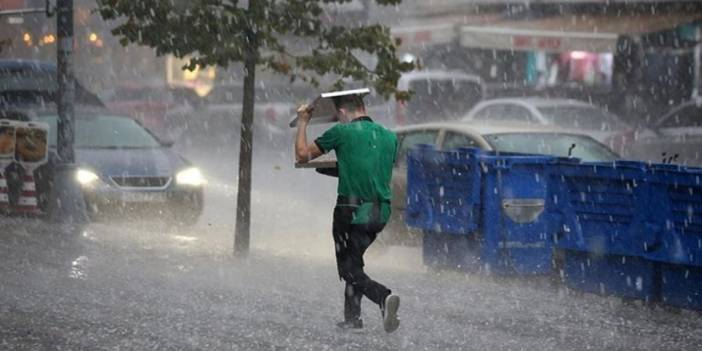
(365,154)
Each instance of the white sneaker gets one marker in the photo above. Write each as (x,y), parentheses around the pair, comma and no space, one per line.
(390,320)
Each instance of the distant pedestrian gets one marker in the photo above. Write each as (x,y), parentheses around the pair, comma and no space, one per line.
(365,154)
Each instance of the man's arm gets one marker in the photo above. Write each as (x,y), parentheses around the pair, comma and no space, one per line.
(304,152)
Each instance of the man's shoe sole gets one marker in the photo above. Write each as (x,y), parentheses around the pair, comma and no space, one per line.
(390,320)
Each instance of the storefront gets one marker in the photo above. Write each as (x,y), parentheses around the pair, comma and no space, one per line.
(650,58)
(434,41)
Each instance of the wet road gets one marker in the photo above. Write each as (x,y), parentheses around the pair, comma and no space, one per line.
(145,285)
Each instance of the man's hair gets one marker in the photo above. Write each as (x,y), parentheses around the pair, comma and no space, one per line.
(349,103)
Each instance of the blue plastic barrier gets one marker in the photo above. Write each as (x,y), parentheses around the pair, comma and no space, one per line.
(623,276)
(603,207)
(677,206)
(681,285)
(443,190)
(606,228)
(517,237)
(466,227)
(625,228)
(457,189)
(418,213)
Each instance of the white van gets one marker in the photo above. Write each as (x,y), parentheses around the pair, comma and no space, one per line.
(437,96)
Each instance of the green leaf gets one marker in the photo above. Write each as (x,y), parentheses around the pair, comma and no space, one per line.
(214,32)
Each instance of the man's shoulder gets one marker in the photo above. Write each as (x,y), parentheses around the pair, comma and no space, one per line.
(387,132)
(376,125)
(367,126)
(333,130)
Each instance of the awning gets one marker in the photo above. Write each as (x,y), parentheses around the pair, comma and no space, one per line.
(444,30)
(425,34)
(568,33)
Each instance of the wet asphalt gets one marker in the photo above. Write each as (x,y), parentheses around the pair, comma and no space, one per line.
(144,284)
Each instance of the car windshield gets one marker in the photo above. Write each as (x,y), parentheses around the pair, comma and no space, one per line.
(27,79)
(556,144)
(581,117)
(104,132)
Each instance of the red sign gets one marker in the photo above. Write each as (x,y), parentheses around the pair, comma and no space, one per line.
(12,4)
(549,43)
(523,41)
(422,37)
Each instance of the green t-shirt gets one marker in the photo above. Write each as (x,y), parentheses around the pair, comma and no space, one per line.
(365,153)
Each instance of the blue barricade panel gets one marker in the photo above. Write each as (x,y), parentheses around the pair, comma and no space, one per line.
(517,237)
(604,207)
(624,276)
(443,190)
(677,203)
(497,200)
(417,213)
(681,286)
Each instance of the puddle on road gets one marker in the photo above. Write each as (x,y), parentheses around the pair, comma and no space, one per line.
(78,268)
(184,239)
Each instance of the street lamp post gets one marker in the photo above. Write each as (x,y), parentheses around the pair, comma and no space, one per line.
(66,80)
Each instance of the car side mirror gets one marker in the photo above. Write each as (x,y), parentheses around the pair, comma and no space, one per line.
(167,143)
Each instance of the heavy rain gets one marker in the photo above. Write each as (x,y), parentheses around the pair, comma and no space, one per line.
(539,189)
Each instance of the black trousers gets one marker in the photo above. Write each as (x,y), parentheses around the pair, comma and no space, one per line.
(351,242)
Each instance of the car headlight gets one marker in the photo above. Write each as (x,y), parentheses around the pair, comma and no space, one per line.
(86,177)
(190,176)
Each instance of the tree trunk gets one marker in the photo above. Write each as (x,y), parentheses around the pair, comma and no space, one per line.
(66,203)
(243,203)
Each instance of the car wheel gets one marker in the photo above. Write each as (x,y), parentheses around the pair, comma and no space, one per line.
(180,217)
(185,210)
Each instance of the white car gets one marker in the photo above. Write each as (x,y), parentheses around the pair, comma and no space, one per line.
(506,137)
(561,113)
(677,137)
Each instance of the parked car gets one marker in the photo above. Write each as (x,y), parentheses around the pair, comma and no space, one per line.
(505,137)
(123,168)
(677,136)
(562,113)
(162,109)
(25,82)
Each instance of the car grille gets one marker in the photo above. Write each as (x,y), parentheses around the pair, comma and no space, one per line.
(141,182)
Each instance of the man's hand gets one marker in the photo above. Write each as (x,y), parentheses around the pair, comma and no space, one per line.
(304,113)
(304,152)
